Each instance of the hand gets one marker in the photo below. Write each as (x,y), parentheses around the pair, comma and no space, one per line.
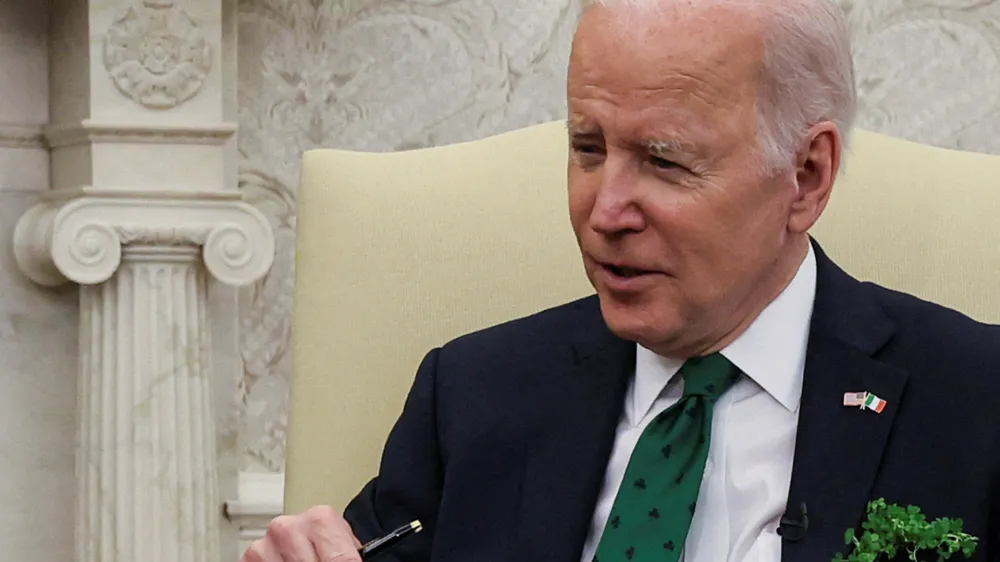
(318,535)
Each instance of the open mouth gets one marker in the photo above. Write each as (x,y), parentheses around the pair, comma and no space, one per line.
(627,272)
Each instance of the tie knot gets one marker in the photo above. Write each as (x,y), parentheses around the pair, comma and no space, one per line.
(710,376)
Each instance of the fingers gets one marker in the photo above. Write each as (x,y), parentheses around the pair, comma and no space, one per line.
(292,539)
(261,550)
(357,543)
(318,535)
(332,536)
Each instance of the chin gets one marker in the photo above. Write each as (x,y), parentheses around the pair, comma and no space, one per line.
(638,320)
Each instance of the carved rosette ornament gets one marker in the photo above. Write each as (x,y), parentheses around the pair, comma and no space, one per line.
(146,467)
(156,54)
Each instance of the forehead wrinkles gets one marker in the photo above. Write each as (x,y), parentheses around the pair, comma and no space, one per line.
(673,94)
(682,107)
(647,124)
(710,54)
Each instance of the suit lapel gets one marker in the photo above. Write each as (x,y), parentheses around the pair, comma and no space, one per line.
(839,449)
(566,464)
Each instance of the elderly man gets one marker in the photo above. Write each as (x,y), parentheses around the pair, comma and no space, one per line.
(729,394)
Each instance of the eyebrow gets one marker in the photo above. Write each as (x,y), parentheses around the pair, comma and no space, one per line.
(668,145)
(658,146)
(578,130)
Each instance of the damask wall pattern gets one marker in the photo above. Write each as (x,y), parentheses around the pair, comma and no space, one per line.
(382,75)
(374,75)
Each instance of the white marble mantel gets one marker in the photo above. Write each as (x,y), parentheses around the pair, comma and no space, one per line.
(131,167)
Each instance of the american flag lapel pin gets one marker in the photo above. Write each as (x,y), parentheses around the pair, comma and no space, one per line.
(865,401)
(855,399)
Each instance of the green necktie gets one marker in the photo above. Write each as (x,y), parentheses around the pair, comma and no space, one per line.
(652,512)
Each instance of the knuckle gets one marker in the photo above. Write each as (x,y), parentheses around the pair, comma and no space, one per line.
(253,554)
(281,527)
(322,514)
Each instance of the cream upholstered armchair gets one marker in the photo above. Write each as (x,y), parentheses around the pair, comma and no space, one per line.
(400,252)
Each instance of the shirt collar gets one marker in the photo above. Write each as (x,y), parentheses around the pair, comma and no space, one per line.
(772,351)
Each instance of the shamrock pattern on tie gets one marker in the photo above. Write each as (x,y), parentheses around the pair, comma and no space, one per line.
(652,513)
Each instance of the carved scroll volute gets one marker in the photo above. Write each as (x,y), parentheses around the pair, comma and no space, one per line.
(32,241)
(81,241)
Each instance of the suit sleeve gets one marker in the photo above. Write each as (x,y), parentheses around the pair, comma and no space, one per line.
(408,484)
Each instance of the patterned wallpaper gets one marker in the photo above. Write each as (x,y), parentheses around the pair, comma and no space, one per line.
(380,75)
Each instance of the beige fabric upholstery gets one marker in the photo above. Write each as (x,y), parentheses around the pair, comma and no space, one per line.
(398,253)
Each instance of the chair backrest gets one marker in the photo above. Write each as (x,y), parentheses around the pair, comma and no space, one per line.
(400,252)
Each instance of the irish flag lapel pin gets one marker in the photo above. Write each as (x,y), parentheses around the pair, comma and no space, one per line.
(864,401)
(874,403)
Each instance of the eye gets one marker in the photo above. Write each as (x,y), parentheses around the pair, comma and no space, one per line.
(663,163)
(587,154)
(587,148)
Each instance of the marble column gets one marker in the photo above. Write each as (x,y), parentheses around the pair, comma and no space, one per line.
(146,456)
(143,213)
(145,425)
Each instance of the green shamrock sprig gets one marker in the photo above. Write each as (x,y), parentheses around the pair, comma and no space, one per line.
(890,529)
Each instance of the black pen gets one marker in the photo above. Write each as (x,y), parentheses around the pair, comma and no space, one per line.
(378,546)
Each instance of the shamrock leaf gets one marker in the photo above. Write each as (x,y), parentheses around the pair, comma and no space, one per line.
(890,529)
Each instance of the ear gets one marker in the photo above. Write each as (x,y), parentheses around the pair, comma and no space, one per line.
(816,169)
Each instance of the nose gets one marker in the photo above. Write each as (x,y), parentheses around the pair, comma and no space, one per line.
(616,208)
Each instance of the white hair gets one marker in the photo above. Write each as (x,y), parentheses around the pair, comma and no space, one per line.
(807,75)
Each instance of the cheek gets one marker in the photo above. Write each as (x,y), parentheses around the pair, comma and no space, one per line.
(581,200)
(701,243)
(683,224)
(762,230)
(748,237)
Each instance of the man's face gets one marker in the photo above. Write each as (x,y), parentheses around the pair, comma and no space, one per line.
(680,231)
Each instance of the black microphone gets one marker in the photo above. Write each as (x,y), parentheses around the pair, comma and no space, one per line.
(794,530)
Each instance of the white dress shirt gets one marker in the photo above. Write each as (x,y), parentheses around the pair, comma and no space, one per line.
(748,472)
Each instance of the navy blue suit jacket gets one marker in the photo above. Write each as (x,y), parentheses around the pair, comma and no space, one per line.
(502,444)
